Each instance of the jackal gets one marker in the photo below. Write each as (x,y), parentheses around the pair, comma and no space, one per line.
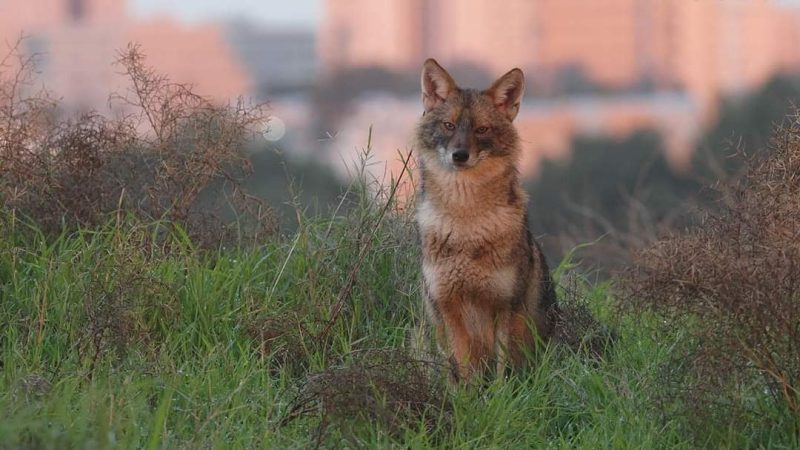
(486,285)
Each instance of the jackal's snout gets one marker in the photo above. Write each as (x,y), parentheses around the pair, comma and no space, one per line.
(460,156)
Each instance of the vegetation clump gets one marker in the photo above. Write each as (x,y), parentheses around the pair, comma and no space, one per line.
(733,282)
(170,154)
(388,387)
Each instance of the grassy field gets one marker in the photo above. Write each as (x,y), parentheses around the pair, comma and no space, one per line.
(134,335)
(129,337)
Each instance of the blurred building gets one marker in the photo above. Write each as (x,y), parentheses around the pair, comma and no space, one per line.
(76,42)
(661,64)
(703,47)
(281,61)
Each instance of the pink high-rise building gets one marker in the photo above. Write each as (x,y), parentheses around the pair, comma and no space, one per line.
(703,47)
(361,33)
(686,53)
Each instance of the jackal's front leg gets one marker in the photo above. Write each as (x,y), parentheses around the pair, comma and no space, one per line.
(470,336)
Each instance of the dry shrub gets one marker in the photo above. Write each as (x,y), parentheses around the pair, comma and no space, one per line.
(734,282)
(170,154)
(284,339)
(72,186)
(30,386)
(384,386)
(576,327)
(126,306)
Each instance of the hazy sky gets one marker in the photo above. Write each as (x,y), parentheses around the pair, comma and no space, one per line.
(279,13)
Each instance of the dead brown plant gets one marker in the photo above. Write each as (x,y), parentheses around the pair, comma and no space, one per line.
(125,306)
(385,386)
(284,339)
(577,328)
(733,281)
(168,154)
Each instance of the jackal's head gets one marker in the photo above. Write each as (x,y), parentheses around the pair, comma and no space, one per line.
(465,129)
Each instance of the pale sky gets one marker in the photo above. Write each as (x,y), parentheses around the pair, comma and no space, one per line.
(278,13)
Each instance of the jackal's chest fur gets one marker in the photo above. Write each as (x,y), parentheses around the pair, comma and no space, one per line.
(470,253)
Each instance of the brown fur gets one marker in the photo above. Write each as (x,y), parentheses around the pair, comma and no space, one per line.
(487,288)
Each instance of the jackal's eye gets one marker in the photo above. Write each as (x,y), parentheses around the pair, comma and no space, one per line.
(481,130)
(449,126)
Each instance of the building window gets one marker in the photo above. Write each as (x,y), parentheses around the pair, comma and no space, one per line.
(77,9)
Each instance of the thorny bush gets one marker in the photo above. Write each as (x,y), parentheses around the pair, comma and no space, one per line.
(387,386)
(171,154)
(576,327)
(125,306)
(734,281)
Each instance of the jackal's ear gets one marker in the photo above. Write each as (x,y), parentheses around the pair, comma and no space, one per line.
(507,92)
(437,84)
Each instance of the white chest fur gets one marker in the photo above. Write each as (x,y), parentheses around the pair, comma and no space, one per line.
(467,224)
(488,232)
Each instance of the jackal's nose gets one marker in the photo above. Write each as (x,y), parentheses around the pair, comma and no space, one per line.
(460,156)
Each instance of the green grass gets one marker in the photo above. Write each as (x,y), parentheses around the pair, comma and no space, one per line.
(125,338)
